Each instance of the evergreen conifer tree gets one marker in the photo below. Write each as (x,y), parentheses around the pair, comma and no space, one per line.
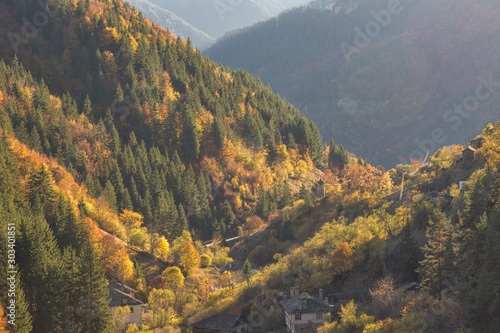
(438,254)
(93,313)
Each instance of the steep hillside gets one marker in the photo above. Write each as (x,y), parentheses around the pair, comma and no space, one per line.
(114,133)
(408,86)
(367,249)
(122,149)
(173,118)
(172,22)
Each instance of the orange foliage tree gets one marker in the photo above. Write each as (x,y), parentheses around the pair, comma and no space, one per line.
(115,260)
(342,258)
(253,224)
(3,320)
(188,259)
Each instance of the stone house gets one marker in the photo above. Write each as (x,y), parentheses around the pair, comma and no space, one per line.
(305,313)
(468,154)
(122,295)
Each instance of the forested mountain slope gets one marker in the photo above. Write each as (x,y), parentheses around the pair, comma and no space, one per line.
(116,138)
(156,95)
(369,246)
(109,122)
(384,92)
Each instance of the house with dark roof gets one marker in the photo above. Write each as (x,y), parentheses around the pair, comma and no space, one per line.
(477,143)
(305,313)
(221,323)
(468,154)
(122,295)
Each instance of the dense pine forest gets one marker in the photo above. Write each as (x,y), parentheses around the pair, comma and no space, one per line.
(126,156)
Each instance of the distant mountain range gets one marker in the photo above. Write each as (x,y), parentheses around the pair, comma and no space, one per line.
(387,79)
(205,21)
(175,24)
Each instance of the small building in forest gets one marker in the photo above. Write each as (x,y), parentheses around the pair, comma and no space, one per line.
(305,313)
(321,189)
(121,295)
(477,143)
(468,154)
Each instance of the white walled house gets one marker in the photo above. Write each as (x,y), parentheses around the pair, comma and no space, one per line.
(303,312)
(121,295)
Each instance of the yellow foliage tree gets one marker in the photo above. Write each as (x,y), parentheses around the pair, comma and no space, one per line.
(169,94)
(139,237)
(131,219)
(132,328)
(120,318)
(116,261)
(349,321)
(173,278)
(161,303)
(133,43)
(110,36)
(162,248)
(492,147)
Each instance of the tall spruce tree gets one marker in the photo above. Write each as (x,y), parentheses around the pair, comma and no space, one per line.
(93,312)
(409,252)
(438,254)
(251,130)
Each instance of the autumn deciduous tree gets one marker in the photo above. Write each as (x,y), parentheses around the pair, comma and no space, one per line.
(188,259)
(386,300)
(115,260)
(173,278)
(139,237)
(131,219)
(205,261)
(349,321)
(161,302)
(3,319)
(342,258)
(120,318)
(162,248)
(253,224)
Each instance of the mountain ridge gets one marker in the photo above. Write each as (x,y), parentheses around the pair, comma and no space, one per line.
(304,60)
(177,25)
